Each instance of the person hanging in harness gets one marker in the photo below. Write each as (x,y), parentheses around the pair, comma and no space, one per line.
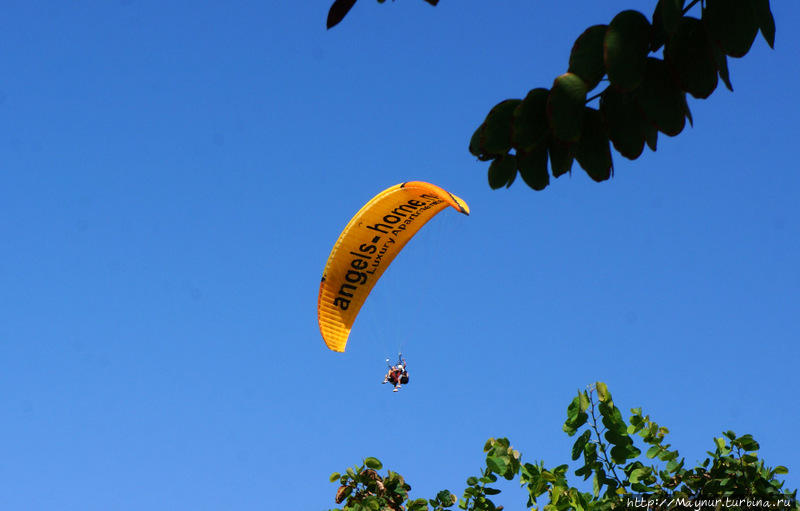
(398,373)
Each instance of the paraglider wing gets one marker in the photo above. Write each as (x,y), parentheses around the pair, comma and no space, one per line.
(366,247)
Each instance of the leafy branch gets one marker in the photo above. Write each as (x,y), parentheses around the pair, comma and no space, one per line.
(645,95)
(733,470)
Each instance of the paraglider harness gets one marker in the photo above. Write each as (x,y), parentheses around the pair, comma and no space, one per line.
(398,373)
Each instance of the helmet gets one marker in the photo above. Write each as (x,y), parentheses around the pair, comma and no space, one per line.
(400,366)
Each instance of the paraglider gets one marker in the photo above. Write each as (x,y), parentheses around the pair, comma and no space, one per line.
(366,247)
(398,373)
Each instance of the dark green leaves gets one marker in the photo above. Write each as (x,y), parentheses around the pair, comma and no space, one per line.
(586,58)
(530,120)
(340,8)
(766,23)
(502,171)
(732,25)
(660,98)
(722,67)
(561,156)
(496,137)
(665,19)
(746,442)
(565,107)
(580,444)
(690,53)
(493,137)
(624,121)
(532,167)
(593,152)
(338,11)
(645,94)
(627,43)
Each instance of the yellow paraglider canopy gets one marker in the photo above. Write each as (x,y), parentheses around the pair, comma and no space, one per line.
(366,247)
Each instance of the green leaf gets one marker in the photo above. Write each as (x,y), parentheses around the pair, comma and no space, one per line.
(766,23)
(780,469)
(532,167)
(720,443)
(602,391)
(690,53)
(612,418)
(565,107)
(665,19)
(722,67)
(667,455)
(496,464)
(373,463)
(530,121)
(624,121)
(747,443)
(636,474)
(593,152)
(651,136)
(586,57)
(686,111)
(661,99)
(626,45)
(583,399)
(476,146)
(573,409)
(472,481)
(561,156)
(580,443)
(653,451)
(334,476)
(338,11)
(496,135)
(619,454)
(490,491)
(549,476)
(572,425)
(732,25)
(502,171)
(615,438)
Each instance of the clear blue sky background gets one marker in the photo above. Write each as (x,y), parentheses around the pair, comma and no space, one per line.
(173,176)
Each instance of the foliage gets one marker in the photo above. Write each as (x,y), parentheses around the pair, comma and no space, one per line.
(645,94)
(622,474)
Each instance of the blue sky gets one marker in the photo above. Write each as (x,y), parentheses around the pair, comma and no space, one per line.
(173,178)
